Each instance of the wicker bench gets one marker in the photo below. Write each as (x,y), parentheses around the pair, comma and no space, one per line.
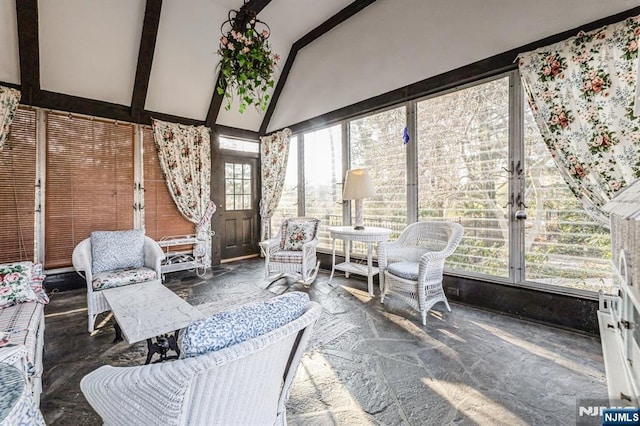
(22,331)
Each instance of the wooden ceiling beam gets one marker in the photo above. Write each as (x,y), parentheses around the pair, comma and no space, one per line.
(255,6)
(304,41)
(29,48)
(145,56)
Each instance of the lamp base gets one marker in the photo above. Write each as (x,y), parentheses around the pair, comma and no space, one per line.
(359,224)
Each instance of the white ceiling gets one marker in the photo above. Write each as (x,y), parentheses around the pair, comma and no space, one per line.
(90,48)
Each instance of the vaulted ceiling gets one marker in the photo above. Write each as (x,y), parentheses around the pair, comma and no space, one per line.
(132,59)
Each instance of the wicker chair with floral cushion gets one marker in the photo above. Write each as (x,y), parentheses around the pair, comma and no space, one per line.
(293,250)
(411,267)
(235,368)
(111,259)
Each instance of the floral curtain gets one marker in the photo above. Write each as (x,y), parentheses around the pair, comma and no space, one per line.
(581,92)
(274,154)
(185,160)
(9,101)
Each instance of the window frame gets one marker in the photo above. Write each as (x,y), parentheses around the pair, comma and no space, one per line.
(516,153)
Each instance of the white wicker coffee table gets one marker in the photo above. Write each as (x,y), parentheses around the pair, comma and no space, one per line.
(148,310)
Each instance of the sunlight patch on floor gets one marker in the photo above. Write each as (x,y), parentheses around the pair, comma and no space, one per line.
(361,295)
(60,314)
(319,396)
(473,404)
(578,367)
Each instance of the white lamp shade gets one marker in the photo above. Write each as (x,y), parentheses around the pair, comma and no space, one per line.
(357,185)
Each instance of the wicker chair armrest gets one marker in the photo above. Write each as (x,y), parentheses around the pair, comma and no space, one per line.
(153,255)
(271,244)
(116,394)
(82,261)
(310,244)
(388,252)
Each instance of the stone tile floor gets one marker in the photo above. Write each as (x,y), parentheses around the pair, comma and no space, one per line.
(376,365)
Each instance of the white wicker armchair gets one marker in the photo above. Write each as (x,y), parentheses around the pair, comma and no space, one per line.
(82,263)
(247,383)
(412,266)
(301,263)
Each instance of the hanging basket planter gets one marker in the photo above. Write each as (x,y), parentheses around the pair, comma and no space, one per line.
(247,63)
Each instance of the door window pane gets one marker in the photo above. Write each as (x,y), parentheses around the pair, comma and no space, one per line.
(463,140)
(323,179)
(564,246)
(237,186)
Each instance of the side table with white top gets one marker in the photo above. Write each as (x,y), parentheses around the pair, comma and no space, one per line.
(369,235)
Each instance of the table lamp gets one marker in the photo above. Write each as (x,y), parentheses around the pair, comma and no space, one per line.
(357,186)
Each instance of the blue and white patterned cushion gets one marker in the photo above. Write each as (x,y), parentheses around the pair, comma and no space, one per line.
(116,250)
(246,322)
(406,270)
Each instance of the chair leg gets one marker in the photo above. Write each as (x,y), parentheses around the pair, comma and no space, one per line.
(309,280)
(424,317)
(92,322)
(446,302)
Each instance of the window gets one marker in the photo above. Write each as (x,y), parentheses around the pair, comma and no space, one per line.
(161,216)
(563,245)
(288,205)
(17,189)
(376,143)
(237,178)
(239,145)
(89,182)
(463,144)
(323,179)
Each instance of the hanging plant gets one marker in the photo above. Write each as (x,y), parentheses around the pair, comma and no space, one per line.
(247,63)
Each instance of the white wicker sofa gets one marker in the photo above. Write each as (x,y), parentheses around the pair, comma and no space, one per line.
(22,300)
(113,259)
(236,367)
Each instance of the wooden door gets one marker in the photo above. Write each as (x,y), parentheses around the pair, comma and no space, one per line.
(239,230)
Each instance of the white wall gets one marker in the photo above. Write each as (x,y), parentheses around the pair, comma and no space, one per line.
(393,43)
(10,59)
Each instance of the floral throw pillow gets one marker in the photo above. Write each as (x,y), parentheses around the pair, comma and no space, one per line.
(229,328)
(298,233)
(15,284)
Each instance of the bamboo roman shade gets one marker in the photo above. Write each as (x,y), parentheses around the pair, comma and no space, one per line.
(161,216)
(90,182)
(17,189)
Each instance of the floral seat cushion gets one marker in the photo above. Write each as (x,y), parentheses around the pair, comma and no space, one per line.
(122,277)
(228,328)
